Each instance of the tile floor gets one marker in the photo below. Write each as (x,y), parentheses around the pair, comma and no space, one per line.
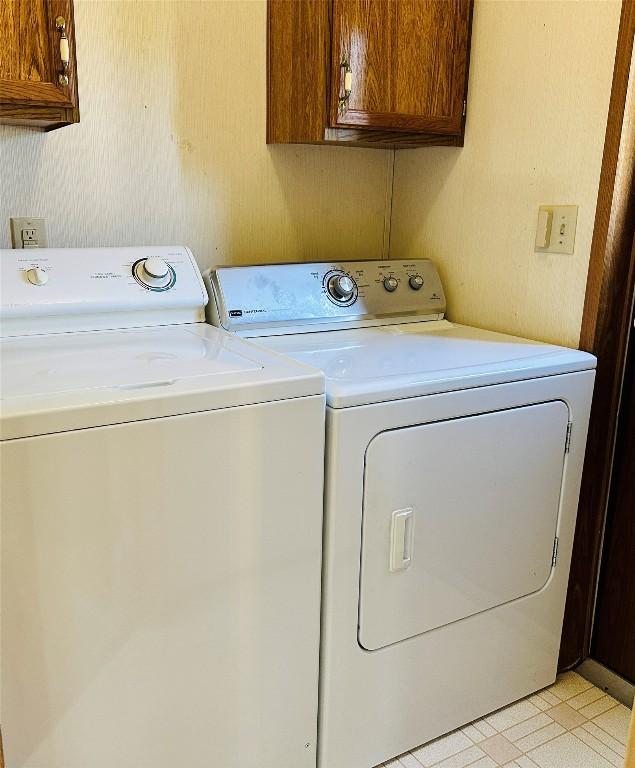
(571,724)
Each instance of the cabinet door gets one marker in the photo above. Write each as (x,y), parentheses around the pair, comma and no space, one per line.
(31,62)
(408,62)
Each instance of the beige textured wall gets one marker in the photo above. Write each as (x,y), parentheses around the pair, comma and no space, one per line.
(171,147)
(540,80)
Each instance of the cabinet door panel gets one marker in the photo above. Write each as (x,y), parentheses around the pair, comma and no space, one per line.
(408,60)
(18,19)
(363,36)
(30,62)
(424,53)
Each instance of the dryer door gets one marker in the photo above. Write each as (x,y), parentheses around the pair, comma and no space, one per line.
(459,517)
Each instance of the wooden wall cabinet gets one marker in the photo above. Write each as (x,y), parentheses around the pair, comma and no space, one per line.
(36,89)
(407,64)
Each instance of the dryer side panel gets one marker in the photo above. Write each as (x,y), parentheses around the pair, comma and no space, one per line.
(460,516)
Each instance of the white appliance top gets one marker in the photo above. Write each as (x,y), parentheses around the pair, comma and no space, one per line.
(386,341)
(372,365)
(148,362)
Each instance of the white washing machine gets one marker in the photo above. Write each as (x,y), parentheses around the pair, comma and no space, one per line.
(453,463)
(161,523)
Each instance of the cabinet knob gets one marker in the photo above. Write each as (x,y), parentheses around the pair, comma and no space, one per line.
(60,25)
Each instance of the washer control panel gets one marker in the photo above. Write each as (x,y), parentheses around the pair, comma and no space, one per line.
(277,296)
(60,289)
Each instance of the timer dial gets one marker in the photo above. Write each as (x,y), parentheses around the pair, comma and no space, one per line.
(155,267)
(341,287)
(415,282)
(154,273)
(37,276)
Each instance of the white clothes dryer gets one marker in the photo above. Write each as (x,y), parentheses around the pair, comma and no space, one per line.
(453,464)
(161,522)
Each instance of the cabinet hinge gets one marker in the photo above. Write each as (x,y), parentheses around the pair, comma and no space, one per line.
(464,107)
(567,440)
(554,554)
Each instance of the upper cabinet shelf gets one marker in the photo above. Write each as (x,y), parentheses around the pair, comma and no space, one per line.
(38,81)
(368,72)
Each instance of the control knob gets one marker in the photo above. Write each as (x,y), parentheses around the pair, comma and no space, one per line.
(155,267)
(391,284)
(154,273)
(341,287)
(415,282)
(37,276)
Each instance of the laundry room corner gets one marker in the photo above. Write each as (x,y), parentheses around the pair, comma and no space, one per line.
(538,101)
(317,383)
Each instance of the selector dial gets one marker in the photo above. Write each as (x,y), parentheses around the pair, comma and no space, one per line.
(391,284)
(341,287)
(155,267)
(37,276)
(415,282)
(154,273)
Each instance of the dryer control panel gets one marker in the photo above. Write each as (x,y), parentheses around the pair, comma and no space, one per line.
(273,298)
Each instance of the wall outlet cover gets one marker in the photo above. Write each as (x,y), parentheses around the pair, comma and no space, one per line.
(28,233)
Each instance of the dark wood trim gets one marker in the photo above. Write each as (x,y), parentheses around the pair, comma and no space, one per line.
(354,118)
(466,73)
(613,637)
(605,328)
(355,137)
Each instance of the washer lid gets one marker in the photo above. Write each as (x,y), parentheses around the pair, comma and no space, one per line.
(372,365)
(59,382)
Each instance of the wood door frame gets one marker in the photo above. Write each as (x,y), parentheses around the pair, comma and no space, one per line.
(613,635)
(605,328)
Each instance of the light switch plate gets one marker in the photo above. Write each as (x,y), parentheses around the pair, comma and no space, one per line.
(555,230)
(28,233)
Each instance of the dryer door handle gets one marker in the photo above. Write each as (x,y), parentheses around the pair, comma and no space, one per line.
(402,529)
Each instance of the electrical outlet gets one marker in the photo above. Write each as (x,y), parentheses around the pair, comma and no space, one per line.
(28,233)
